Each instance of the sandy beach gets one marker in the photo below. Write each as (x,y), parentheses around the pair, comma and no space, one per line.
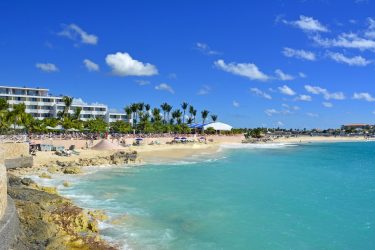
(150,153)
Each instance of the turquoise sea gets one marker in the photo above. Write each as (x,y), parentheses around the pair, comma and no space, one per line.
(311,196)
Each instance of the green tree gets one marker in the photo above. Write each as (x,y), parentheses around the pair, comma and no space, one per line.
(184,106)
(210,131)
(97,125)
(68,101)
(204,114)
(16,114)
(134,108)
(128,112)
(214,118)
(121,127)
(77,113)
(176,115)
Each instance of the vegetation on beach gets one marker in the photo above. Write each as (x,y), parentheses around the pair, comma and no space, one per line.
(141,118)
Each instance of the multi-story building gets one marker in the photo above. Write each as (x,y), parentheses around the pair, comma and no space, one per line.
(40,104)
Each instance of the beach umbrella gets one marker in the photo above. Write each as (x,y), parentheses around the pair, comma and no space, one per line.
(139,139)
(58,127)
(72,130)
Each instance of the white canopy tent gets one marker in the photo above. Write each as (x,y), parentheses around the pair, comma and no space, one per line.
(218,126)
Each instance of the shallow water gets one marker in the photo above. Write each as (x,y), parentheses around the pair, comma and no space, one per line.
(312,196)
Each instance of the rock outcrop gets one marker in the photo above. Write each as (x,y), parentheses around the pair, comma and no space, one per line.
(52,222)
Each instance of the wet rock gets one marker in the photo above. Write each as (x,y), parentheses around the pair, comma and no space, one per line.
(53,169)
(45,176)
(72,170)
(66,184)
(27,181)
(50,190)
(98,215)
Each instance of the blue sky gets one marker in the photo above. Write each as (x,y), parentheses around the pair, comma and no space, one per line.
(265,63)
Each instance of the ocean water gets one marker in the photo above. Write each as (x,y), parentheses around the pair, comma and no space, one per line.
(311,196)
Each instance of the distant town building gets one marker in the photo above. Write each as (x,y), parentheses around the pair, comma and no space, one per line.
(355,126)
(40,104)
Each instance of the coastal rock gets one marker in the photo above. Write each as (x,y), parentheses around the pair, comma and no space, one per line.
(50,190)
(52,222)
(72,170)
(66,184)
(98,215)
(122,157)
(27,181)
(45,176)
(53,169)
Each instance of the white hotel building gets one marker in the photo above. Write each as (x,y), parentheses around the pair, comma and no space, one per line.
(40,104)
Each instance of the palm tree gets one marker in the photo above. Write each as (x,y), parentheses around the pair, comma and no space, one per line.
(16,114)
(147,108)
(194,113)
(141,106)
(134,109)
(156,114)
(68,101)
(77,113)
(169,109)
(128,112)
(176,115)
(214,118)
(164,107)
(204,115)
(191,110)
(184,106)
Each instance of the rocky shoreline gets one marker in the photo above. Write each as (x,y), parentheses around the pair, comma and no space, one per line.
(49,221)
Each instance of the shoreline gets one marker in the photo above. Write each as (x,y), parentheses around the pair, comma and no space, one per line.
(45,165)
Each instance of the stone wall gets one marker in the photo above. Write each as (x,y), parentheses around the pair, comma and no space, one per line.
(15,150)
(3,185)
(21,162)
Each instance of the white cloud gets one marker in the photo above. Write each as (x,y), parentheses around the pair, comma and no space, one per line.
(164,87)
(279,123)
(236,104)
(260,93)
(47,67)
(205,49)
(299,54)
(204,90)
(283,76)
(123,64)
(305,98)
(271,112)
(302,75)
(74,32)
(312,114)
(327,104)
(352,61)
(346,40)
(363,96)
(142,82)
(308,24)
(370,32)
(286,90)
(326,94)
(248,70)
(90,65)
(290,107)
(371,23)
